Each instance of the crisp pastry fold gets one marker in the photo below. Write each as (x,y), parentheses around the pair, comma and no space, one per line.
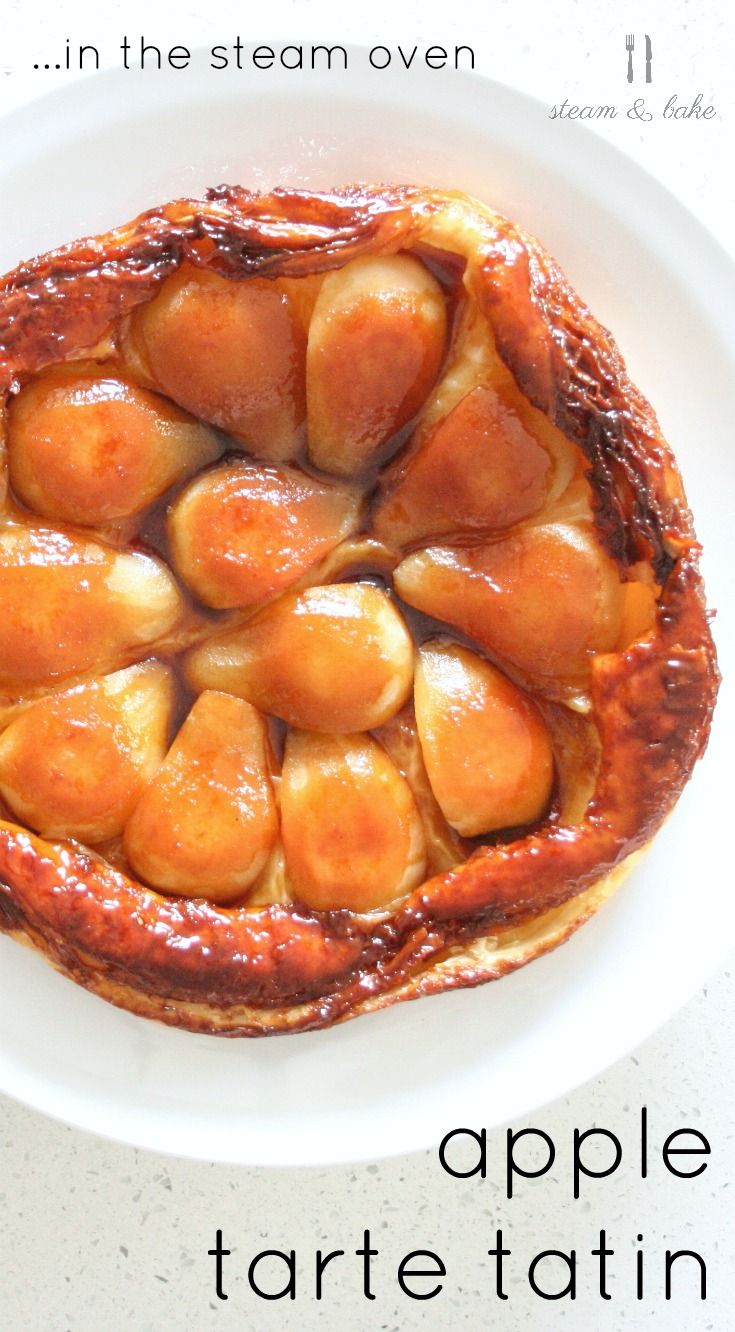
(488,503)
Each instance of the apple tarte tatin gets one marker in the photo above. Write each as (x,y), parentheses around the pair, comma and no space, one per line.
(352,635)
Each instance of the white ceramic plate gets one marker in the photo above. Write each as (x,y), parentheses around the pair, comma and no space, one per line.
(90,157)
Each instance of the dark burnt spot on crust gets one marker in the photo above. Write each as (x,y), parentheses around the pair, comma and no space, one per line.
(11,916)
(188,962)
(570,368)
(61,303)
(293,233)
(54,307)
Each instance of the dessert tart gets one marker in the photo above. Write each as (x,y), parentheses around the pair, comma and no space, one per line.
(353,639)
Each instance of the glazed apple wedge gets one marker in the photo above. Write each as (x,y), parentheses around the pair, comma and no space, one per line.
(376,342)
(69,605)
(232,353)
(75,763)
(334,658)
(207,821)
(487,750)
(545,598)
(352,834)
(241,533)
(89,446)
(478,470)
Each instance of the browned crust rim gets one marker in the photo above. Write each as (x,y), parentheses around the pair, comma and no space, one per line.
(653,704)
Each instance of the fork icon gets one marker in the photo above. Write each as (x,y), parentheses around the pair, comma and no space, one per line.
(629,44)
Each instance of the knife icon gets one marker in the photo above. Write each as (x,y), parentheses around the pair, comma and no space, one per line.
(648,58)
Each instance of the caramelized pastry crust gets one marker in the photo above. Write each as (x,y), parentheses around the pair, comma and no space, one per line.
(353,639)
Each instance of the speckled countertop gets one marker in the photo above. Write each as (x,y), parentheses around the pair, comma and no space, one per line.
(96,1236)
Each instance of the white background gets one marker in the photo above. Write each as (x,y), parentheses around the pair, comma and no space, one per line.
(96,1236)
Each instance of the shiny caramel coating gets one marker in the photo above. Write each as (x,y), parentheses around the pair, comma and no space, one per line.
(69,605)
(648,674)
(206,823)
(232,353)
(352,835)
(240,533)
(479,469)
(74,764)
(545,598)
(486,747)
(335,658)
(89,446)
(376,342)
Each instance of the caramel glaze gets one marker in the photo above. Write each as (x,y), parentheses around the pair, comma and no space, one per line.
(244,971)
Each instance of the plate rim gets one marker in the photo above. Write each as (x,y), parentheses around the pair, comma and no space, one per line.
(138,1130)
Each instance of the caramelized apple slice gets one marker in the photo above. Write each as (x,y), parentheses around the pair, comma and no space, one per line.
(334,658)
(207,822)
(352,835)
(230,352)
(240,533)
(545,598)
(68,605)
(75,763)
(301,294)
(479,469)
(376,343)
(486,747)
(400,740)
(86,446)
(499,407)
